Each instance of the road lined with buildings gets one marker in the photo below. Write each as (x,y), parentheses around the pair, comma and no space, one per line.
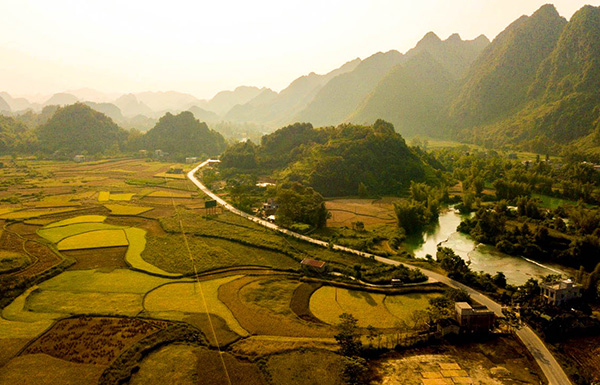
(550,367)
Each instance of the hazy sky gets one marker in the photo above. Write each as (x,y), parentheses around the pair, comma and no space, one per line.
(202,47)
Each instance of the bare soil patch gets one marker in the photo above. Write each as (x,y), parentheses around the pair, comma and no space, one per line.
(370,212)
(585,352)
(498,361)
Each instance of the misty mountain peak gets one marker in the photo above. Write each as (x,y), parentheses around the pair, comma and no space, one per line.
(546,11)
(429,39)
(454,38)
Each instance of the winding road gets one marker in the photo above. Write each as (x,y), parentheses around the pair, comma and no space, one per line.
(550,367)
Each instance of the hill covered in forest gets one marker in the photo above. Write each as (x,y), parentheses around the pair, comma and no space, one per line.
(78,128)
(335,161)
(182,135)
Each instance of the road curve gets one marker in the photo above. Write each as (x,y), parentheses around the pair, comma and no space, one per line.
(550,367)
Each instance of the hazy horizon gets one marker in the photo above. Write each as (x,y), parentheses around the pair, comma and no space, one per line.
(201,49)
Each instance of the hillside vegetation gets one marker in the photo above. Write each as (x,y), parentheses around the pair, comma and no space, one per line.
(334,160)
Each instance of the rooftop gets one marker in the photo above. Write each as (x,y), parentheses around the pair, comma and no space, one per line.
(313,263)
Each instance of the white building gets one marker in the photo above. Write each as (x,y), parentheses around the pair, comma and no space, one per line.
(559,292)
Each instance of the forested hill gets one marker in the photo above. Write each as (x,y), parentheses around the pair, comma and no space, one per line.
(414,94)
(536,86)
(335,161)
(182,135)
(79,129)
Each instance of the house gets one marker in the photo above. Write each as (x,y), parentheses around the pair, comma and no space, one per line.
(447,326)
(191,159)
(79,158)
(269,208)
(471,319)
(314,265)
(561,291)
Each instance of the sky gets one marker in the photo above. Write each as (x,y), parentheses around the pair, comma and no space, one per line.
(203,47)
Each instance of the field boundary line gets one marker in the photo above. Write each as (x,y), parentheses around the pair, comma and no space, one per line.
(199,283)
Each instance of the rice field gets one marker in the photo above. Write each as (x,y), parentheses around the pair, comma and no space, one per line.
(116,281)
(378,310)
(94,239)
(116,209)
(78,219)
(25,214)
(137,243)
(193,297)
(169,194)
(58,233)
(105,196)
(70,303)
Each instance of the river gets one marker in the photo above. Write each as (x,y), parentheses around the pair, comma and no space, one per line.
(482,257)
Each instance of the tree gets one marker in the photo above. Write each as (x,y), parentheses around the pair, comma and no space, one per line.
(355,370)
(347,336)
(362,190)
(499,279)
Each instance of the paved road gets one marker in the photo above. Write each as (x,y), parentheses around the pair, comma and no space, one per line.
(550,367)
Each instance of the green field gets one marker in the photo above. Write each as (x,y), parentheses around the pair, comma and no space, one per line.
(552,202)
(235,228)
(170,253)
(94,240)
(378,310)
(116,281)
(190,298)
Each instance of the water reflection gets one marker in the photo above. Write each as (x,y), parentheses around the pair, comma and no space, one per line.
(481,257)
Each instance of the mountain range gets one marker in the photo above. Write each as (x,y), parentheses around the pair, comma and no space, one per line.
(535,86)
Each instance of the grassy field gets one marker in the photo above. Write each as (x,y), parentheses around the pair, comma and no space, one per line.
(175,364)
(190,298)
(170,253)
(49,371)
(11,261)
(94,239)
(232,227)
(378,310)
(184,364)
(305,367)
